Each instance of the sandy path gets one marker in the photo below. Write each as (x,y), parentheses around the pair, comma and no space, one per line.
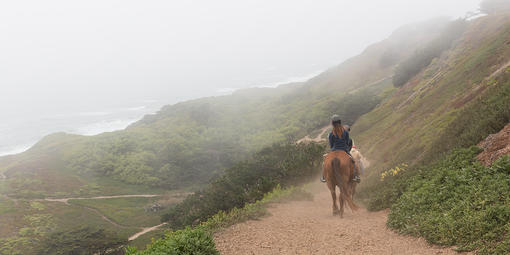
(308,227)
(317,139)
(145,230)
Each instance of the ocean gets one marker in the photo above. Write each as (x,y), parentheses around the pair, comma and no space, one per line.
(19,134)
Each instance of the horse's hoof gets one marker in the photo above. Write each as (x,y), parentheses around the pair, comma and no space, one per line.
(336,213)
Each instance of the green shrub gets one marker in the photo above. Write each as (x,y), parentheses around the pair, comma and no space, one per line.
(196,241)
(386,192)
(255,210)
(248,181)
(458,201)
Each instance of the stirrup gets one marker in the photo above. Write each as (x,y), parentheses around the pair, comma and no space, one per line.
(356,179)
(323,179)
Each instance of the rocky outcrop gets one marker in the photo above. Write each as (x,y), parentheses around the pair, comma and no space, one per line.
(495,146)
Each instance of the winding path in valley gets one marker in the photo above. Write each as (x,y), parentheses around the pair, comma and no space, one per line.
(308,227)
(66,200)
(143,230)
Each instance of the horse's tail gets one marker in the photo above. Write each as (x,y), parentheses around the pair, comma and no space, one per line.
(335,165)
(344,191)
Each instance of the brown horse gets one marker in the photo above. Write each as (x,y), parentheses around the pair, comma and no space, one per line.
(339,171)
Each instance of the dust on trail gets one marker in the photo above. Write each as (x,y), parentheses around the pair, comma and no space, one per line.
(308,227)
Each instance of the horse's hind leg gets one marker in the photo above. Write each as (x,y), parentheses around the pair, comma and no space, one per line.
(333,196)
(341,202)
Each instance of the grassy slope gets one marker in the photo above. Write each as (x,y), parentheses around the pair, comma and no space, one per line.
(458,201)
(24,223)
(406,127)
(125,211)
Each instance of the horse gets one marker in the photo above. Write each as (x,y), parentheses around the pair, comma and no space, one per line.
(339,171)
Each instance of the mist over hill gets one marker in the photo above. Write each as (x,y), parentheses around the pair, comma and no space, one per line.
(232,149)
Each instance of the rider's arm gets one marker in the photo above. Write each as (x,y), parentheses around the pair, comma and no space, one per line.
(348,140)
(331,142)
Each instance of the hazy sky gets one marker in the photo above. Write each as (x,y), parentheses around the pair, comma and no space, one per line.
(59,56)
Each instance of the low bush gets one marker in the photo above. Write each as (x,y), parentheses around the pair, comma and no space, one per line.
(458,201)
(188,241)
(248,181)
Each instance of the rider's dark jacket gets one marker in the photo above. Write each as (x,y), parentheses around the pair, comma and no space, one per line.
(340,143)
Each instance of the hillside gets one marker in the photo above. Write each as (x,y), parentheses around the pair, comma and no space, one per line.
(187,145)
(421,141)
(442,107)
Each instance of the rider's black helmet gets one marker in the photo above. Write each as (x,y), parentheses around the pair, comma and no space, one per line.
(336,119)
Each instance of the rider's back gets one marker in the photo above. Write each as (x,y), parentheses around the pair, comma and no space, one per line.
(339,143)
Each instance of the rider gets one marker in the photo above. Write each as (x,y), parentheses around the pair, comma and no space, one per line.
(339,140)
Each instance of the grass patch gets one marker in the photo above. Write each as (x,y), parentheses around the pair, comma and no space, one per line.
(6,205)
(458,201)
(130,211)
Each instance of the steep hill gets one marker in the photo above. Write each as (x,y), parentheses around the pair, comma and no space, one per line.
(439,108)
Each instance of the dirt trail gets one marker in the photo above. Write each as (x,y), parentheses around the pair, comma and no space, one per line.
(66,200)
(145,230)
(317,139)
(308,227)
(500,69)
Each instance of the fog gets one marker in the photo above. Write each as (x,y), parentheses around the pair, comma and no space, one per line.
(72,65)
